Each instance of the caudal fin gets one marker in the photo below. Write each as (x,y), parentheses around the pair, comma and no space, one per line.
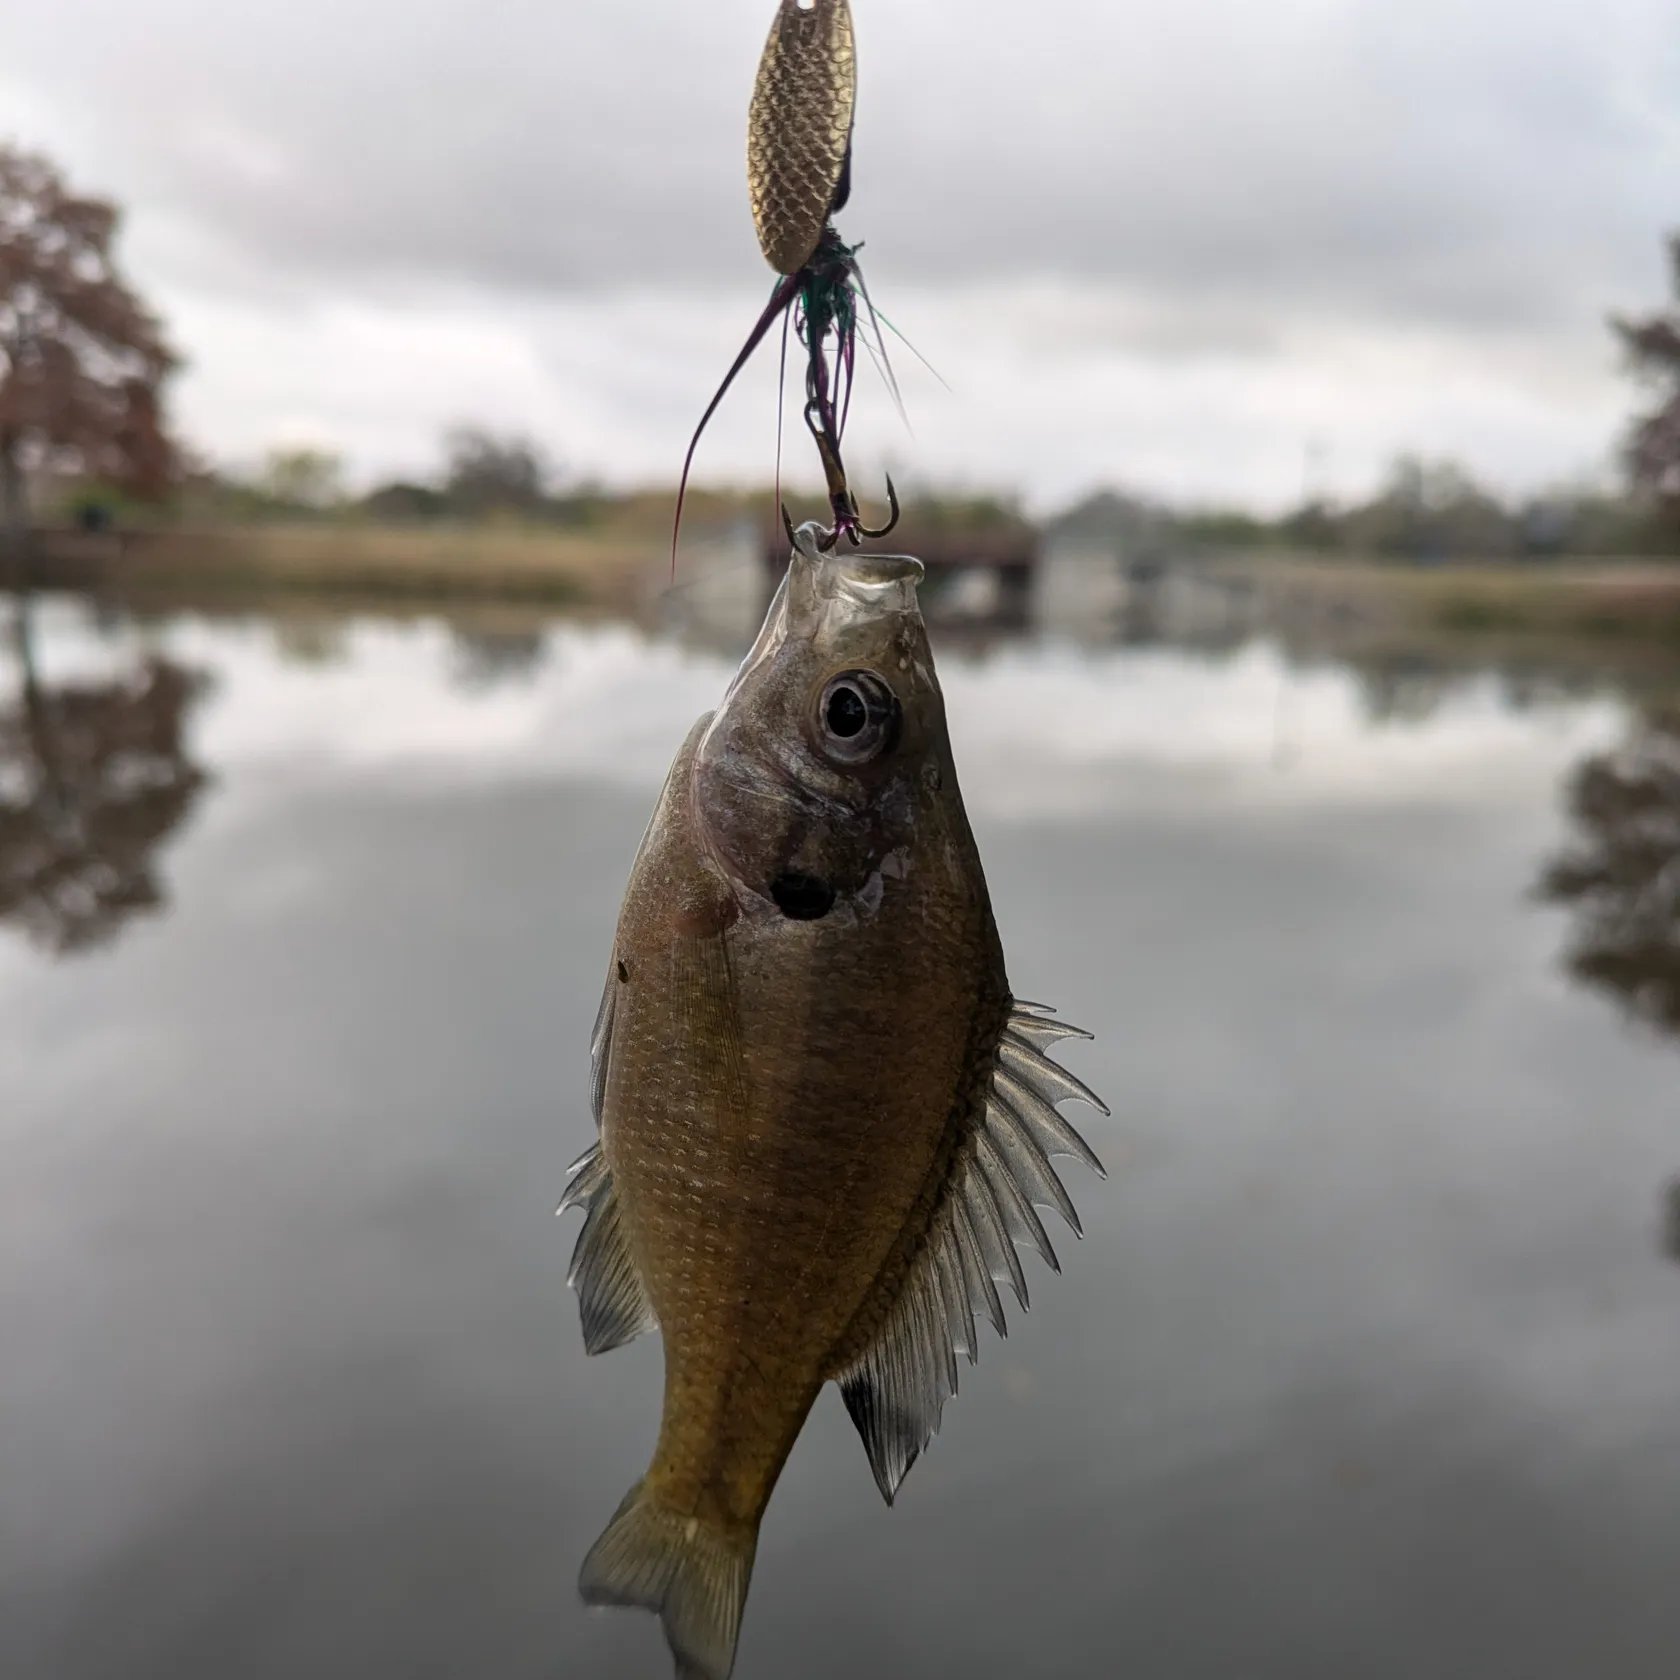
(694,1574)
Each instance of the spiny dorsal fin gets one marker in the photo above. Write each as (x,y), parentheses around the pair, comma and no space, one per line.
(600,1045)
(897,1387)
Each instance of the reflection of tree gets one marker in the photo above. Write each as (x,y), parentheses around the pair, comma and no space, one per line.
(1403,688)
(1622,878)
(1671,1221)
(1410,686)
(486,658)
(1623,875)
(93,777)
(314,642)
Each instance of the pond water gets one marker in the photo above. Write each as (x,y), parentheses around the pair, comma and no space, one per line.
(1369,1363)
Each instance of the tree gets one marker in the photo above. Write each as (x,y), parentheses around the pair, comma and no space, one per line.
(82,360)
(1652,451)
(1428,510)
(303,477)
(489,474)
(404,502)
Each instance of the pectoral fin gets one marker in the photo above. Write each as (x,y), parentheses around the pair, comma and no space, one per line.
(613,1305)
(897,1387)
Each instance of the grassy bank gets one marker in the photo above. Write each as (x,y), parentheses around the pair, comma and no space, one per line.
(622,568)
(352,562)
(1630,600)
(1640,603)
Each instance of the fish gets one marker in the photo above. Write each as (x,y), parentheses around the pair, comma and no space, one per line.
(826,1125)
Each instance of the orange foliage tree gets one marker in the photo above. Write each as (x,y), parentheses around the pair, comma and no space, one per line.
(83,361)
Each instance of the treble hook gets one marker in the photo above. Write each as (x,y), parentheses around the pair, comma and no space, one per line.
(853,527)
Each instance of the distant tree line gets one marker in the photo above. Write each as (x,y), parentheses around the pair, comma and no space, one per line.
(485,475)
(1424,511)
(1434,510)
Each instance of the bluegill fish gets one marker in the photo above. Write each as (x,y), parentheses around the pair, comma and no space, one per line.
(824,1120)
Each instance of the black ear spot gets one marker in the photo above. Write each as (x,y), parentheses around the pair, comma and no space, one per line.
(802,898)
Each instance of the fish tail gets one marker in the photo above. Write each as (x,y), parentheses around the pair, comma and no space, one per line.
(692,1572)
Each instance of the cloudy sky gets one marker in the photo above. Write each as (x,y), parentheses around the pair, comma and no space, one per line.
(1209,249)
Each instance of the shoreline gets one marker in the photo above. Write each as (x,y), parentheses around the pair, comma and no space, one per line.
(1342,598)
(338,563)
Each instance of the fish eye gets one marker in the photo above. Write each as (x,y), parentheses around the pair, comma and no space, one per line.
(857,717)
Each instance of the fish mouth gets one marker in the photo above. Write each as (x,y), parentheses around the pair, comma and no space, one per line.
(802,898)
(837,589)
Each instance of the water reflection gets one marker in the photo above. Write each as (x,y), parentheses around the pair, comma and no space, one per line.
(308,640)
(94,776)
(1367,1362)
(487,657)
(1671,1221)
(1621,877)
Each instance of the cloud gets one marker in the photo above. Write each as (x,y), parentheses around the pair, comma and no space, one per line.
(1475,162)
(1055,386)
(1133,193)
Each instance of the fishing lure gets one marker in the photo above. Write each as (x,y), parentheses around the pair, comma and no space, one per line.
(799,168)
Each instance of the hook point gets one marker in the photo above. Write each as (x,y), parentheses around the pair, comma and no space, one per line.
(892,514)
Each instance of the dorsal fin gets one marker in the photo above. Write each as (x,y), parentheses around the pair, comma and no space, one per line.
(897,1387)
(600,1044)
